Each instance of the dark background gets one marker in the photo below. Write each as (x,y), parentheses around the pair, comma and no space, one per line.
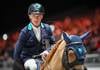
(13,13)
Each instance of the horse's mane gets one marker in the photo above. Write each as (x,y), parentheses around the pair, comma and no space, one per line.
(53,50)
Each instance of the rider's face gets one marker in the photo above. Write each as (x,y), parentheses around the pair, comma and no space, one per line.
(36,18)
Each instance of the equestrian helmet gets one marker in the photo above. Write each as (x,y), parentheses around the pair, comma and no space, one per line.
(35,7)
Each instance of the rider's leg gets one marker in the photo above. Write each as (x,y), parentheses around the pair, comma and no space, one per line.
(30,64)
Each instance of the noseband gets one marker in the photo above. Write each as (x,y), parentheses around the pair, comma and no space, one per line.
(79,51)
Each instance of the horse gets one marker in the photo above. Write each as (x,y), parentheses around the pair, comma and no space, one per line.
(68,53)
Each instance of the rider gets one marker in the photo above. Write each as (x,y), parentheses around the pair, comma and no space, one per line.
(32,40)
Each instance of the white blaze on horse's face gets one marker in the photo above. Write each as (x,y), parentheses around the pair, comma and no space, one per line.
(71,56)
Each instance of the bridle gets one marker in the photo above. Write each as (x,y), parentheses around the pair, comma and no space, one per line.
(79,53)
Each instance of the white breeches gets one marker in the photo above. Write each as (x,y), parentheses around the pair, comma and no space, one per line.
(30,64)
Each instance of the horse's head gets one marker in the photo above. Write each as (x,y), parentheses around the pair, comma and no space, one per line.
(75,52)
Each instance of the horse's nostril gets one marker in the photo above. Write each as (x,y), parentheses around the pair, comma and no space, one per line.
(71,56)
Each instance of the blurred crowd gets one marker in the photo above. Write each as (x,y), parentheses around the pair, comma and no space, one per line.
(71,25)
(80,24)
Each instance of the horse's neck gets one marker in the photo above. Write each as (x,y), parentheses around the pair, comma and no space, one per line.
(55,57)
(53,50)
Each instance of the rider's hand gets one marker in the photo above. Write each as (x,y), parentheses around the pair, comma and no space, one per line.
(44,55)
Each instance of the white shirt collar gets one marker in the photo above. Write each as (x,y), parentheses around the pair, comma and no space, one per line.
(37,32)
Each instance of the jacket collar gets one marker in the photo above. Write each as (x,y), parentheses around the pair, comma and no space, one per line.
(30,26)
(43,32)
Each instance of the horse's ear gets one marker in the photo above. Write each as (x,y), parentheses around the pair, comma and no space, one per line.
(66,37)
(85,35)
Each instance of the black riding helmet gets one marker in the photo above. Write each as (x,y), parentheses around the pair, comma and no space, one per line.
(35,7)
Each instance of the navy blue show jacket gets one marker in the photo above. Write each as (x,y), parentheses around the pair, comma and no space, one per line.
(27,44)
